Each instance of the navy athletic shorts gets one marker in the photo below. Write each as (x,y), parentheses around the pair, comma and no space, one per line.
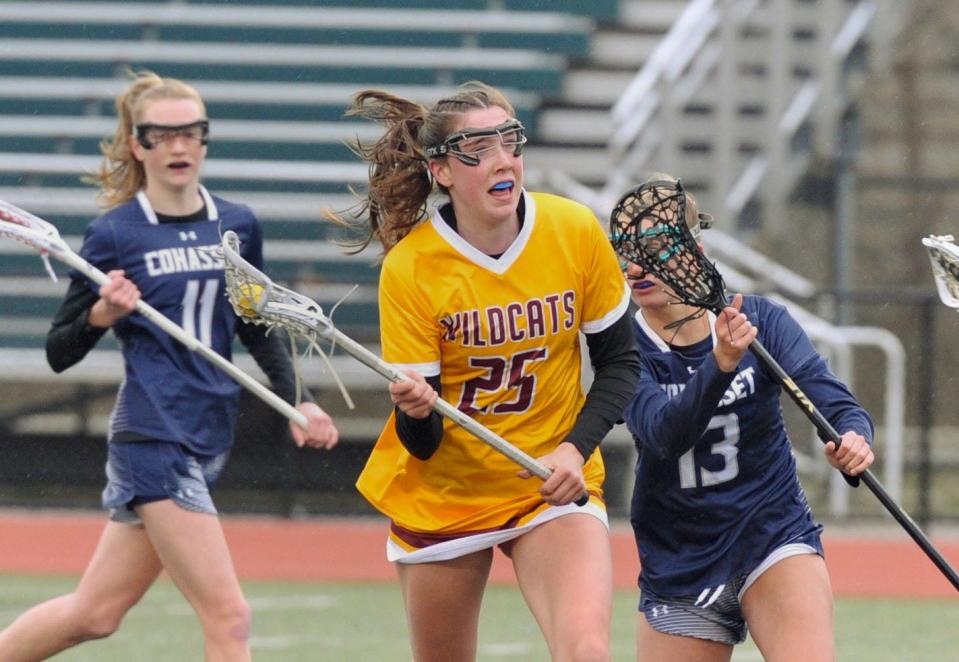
(141,472)
(715,613)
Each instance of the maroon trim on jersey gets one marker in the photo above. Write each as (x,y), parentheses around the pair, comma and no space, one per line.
(422,539)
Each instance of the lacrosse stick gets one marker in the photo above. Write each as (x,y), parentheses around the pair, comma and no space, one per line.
(944,256)
(24,227)
(258,300)
(648,228)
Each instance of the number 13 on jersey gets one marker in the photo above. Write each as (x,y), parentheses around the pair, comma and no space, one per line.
(691,475)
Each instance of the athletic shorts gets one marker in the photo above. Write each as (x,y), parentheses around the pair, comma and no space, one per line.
(404,546)
(141,472)
(716,612)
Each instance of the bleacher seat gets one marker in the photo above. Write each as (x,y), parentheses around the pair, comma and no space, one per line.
(362,65)
(277,78)
(27,306)
(554,32)
(599,9)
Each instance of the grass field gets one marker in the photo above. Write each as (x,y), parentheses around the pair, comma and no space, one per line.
(355,622)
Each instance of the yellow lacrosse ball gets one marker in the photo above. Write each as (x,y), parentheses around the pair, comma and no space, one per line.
(250,297)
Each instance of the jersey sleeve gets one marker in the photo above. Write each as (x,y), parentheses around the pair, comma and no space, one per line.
(408,333)
(671,426)
(607,295)
(788,343)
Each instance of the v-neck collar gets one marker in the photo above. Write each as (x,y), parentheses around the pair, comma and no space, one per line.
(212,213)
(661,344)
(498,265)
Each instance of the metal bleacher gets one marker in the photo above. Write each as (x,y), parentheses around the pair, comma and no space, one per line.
(276,77)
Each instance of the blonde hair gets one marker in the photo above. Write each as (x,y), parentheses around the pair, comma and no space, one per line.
(399,178)
(121,176)
(695,219)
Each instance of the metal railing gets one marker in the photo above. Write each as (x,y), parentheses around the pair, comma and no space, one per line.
(784,105)
(793,117)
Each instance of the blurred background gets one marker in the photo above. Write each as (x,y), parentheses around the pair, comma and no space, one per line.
(823,135)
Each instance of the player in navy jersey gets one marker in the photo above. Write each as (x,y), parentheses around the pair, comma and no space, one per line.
(172,424)
(726,538)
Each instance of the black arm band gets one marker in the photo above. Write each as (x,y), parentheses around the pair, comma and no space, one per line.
(71,337)
(615,360)
(421,436)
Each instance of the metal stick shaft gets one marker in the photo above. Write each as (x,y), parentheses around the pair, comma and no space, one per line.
(191,343)
(365,356)
(826,430)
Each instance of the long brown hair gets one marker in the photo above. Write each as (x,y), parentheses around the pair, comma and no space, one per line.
(121,176)
(399,179)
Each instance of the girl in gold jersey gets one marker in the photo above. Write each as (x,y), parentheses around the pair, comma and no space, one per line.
(482,302)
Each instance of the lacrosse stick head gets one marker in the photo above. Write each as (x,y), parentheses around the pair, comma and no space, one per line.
(944,256)
(22,226)
(25,228)
(258,300)
(648,227)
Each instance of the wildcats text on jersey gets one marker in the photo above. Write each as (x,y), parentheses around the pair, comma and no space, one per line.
(514,322)
(182,259)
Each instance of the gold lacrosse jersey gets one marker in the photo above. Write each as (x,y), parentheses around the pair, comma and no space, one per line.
(503,336)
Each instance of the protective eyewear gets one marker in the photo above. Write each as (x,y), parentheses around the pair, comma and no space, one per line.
(655,241)
(151,135)
(664,194)
(469,145)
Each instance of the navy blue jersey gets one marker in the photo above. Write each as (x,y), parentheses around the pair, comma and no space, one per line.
(716,485)
(170,393)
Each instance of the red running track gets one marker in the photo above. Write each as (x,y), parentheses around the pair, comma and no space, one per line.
(884,564)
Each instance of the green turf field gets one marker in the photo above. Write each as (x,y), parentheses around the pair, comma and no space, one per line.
(364,622)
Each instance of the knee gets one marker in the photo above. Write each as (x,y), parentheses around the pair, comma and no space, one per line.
(98,621)
(231,620)
(588,649)
(241,620)
(595,653)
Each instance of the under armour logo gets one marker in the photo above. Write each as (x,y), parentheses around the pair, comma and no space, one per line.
(189,235)
(660,610)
